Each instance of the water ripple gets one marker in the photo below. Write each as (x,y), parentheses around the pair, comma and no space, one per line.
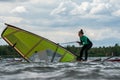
(60,71)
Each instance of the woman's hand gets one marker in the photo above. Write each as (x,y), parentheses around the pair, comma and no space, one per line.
(79,42)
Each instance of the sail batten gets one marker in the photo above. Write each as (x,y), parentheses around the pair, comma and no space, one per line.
(33,47)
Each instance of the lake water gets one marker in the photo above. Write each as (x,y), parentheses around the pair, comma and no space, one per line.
(60,71)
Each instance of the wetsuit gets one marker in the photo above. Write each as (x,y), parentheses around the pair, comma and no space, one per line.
(87,44)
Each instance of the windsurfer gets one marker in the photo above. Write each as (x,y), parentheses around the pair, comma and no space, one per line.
(87,44)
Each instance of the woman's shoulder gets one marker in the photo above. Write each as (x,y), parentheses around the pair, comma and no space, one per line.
(84,36)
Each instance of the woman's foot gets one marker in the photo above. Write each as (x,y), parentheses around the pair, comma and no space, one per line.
(79,59)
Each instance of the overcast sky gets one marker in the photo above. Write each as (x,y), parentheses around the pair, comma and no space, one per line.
(60,20)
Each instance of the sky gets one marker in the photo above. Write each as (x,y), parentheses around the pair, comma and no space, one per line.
(60,20)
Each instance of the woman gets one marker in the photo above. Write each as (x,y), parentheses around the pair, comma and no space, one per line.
(87,44)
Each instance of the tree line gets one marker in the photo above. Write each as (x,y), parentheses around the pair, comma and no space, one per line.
(97,51)
(7,51)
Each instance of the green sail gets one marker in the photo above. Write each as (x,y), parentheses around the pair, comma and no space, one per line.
(26,43)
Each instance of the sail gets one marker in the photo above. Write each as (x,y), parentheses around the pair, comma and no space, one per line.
(27,44)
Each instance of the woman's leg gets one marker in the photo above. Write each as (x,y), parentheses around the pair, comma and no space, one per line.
(86,54)
(81,53)
(86,51)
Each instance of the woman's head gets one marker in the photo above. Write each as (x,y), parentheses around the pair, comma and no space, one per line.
(80,33)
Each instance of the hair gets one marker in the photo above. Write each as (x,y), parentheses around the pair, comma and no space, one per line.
(81,31)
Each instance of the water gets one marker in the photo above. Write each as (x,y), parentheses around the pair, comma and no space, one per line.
(60,71)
